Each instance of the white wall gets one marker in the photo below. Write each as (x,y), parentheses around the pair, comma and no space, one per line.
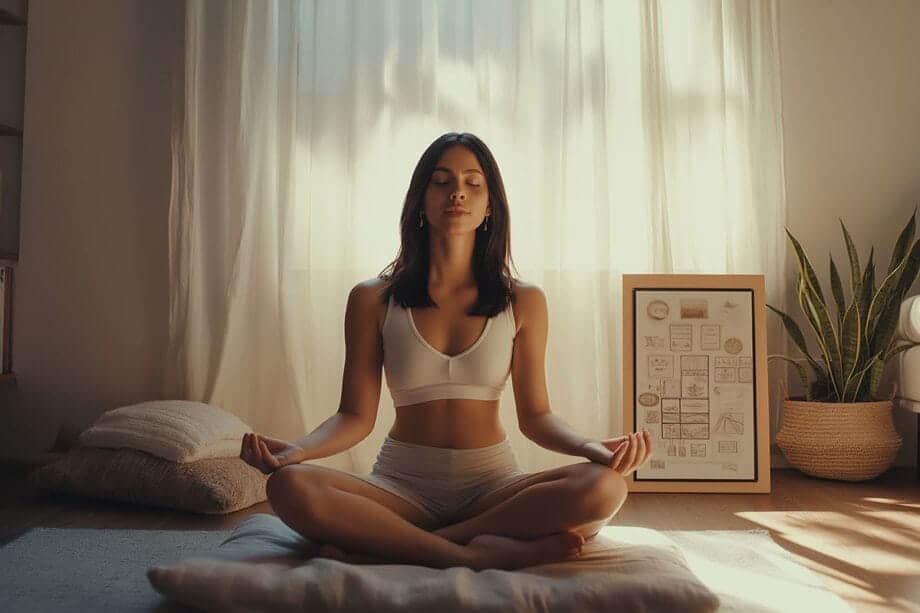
(851,126)
(91,302)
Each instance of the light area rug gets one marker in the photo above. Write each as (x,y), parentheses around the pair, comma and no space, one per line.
(53,569)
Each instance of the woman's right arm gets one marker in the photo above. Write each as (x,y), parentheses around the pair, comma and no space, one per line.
(361,379)
(360,393)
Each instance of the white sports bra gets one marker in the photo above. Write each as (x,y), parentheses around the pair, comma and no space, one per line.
(417,372)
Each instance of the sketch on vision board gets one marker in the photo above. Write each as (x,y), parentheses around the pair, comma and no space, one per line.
(694,382)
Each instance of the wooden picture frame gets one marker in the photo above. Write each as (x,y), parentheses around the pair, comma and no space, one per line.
(695,376)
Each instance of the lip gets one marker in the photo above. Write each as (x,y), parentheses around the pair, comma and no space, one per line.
(455,210)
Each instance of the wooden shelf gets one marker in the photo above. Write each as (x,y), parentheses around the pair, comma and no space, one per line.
(6,130)
(9,19)
(7,377)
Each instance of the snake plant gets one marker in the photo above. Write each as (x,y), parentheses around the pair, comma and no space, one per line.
(853,347)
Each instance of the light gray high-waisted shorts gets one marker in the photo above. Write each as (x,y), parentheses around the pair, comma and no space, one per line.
(440,481)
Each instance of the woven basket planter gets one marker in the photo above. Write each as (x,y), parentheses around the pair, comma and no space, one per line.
(851,441)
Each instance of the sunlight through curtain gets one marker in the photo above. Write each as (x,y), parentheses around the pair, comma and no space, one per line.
(632,136)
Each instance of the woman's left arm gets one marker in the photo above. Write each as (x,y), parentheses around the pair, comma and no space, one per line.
(528,373)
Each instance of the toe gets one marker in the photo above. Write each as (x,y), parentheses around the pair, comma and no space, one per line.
(573,540)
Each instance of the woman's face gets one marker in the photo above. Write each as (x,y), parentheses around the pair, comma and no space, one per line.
(457,197)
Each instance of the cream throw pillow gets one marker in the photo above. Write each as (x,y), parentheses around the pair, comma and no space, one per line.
(175,430)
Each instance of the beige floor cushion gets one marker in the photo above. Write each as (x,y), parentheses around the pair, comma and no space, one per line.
(265,566)
(212,486)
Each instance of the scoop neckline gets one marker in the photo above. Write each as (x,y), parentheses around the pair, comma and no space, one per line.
(472,347)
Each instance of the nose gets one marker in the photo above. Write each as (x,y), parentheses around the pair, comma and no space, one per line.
(458,196)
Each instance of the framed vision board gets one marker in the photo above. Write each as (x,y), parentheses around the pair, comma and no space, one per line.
(695,377)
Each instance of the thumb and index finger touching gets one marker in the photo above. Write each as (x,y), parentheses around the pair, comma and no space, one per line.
(254,450)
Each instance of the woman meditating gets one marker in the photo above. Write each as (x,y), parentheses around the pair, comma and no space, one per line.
(447,324)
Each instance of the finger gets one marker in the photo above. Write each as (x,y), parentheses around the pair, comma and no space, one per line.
(640,451)
(621,455)
(257,450)
(246,450)
(269,457)
(618,456)
(243,444)
(631,456)
(648,445)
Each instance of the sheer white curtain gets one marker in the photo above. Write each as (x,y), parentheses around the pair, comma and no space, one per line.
(632,136)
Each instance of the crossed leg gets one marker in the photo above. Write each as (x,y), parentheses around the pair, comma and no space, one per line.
(579,497)
(554,510)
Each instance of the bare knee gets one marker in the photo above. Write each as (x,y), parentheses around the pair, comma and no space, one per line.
(598,492)
(292,488)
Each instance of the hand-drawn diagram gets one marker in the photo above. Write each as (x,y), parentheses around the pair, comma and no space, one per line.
(657,309)
(654,342)
(661,366)
(694,380)
(694,309)
(733,345)
(670,388)
(681,338)
(710,337)
(730,423)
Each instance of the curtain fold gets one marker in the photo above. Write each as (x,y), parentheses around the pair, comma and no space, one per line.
(632,137)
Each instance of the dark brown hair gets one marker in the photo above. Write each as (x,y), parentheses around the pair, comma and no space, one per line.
(407,276)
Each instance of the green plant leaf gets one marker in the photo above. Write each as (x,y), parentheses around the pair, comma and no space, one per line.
(807,308)
(850,344)
(867,286)
(861,382)
(853,255)
(795,333)
(813,303)
(799,369)
(876,368)
(807,269)
(882,296)
(904,241)
(896,350)
(887,320)
(837,290)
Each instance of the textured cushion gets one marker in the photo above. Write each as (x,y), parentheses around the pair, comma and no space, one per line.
(265,566)
(215,485)
(177,430)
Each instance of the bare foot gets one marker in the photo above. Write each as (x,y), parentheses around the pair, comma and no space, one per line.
(491,551)
(335,553)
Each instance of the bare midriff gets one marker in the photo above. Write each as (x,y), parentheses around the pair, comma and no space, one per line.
(449,423)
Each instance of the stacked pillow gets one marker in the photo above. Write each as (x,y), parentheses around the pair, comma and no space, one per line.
(176,454)
(176,430)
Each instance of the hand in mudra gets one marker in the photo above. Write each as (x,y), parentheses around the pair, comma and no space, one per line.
(268,454)
(623,454)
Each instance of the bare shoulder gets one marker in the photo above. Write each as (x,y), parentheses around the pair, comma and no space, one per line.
(529,303)
(367,298)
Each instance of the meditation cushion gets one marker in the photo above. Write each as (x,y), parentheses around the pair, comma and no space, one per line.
(211,486)
(266,566)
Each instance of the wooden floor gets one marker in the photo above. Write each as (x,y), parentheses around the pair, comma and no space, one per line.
(862,539)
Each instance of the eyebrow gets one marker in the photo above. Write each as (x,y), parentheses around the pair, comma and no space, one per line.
(449,170)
